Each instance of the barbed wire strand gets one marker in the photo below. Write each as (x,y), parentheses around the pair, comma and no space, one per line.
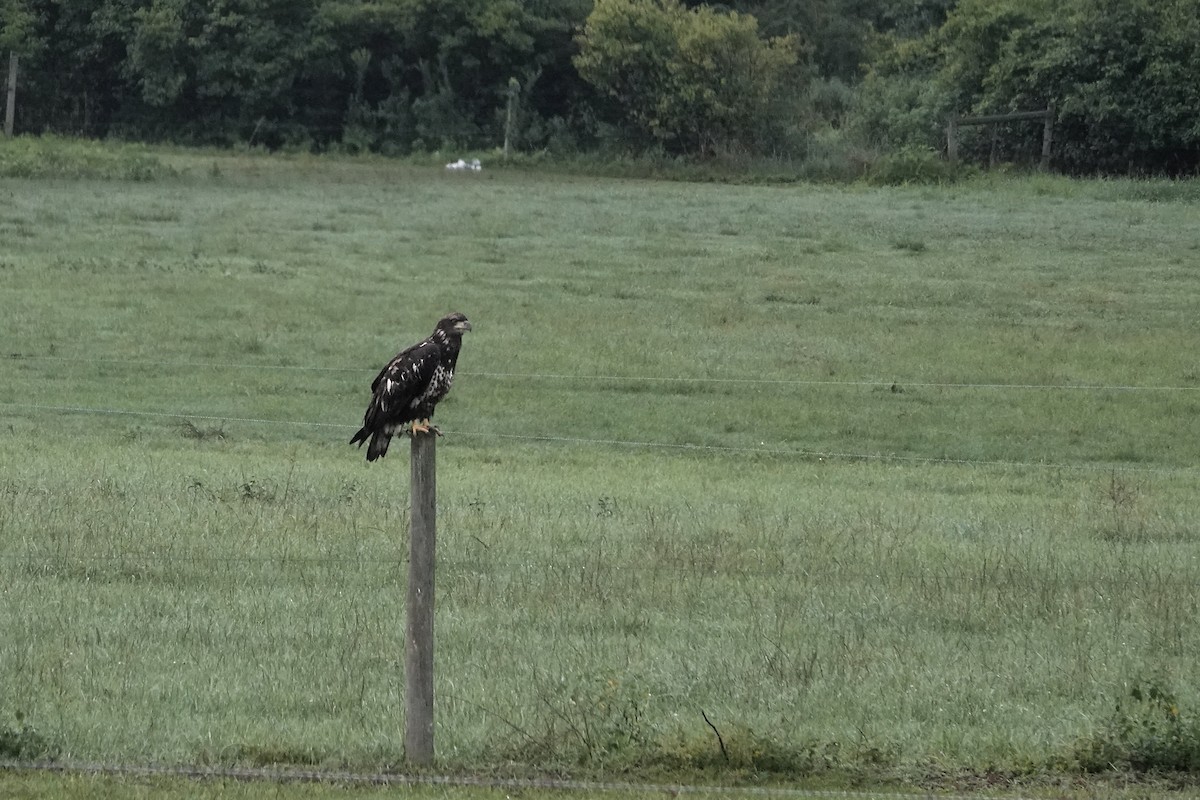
(385,563)
(290,775)
(816,455)
(1092,387)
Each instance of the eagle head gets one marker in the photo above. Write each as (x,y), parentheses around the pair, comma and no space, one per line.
(455,324)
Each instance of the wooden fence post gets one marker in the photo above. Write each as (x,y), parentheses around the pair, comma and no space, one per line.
(10,107)
(418,647)
(991,120)
(1047,136)
(514,91)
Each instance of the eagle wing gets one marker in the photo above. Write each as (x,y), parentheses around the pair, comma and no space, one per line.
(406,390)
(400,383)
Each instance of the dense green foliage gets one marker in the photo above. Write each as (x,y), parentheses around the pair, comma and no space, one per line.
(385,75)
(1123,78)
(691,80)
(565,76)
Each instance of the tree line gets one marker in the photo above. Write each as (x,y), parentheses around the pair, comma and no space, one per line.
(744,77)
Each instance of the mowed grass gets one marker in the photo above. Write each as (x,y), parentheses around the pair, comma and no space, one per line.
(70,787)
(878,479)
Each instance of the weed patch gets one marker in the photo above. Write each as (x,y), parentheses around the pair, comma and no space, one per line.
(22,741)
(54,157)
(1147,732)
(913,165)
(201,433)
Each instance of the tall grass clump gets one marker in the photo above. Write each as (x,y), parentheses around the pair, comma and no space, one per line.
(19,740)
(57,157)
(1148,731)
(914,165)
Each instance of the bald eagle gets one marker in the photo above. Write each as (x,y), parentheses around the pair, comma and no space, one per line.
(410,385)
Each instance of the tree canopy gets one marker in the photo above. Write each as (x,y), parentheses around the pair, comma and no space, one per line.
(693,80)
(680,76)
(1122,75)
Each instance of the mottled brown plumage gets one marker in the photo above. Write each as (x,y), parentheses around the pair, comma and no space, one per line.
(409,387)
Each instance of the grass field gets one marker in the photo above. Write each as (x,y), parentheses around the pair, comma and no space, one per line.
(891,482)
(78,787)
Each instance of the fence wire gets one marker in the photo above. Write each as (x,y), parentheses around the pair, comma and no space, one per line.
(808,455)
(525,376)
(802,454)
(703,567)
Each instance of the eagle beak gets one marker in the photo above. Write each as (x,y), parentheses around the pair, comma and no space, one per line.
(463,326)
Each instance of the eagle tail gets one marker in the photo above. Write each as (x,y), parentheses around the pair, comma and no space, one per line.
(379,441)
(379,445)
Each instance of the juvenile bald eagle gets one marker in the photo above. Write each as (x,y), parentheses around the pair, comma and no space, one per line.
(410,385)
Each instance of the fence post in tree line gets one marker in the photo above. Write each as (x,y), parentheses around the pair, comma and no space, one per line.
(1047,136)
(1046,115)
(418,640)
(514,91)
(10,106)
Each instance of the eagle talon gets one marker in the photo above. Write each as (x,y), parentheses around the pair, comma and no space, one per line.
(424,426)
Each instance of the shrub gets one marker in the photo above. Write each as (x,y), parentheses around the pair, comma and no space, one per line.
(911,165)
(893,112)
(1121,76)
(55,157)
(1147,732)
(24,742)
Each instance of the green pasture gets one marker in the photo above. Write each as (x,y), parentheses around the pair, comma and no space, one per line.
(890,482)
(29,786)
(74,786)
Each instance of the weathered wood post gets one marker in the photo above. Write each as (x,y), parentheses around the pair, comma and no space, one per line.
(1047,136)
(514,91)
(418,643)
(955,122)
(10,106)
